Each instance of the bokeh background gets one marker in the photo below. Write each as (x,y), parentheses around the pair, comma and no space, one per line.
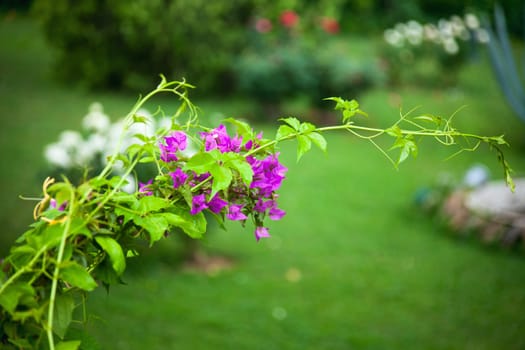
(357,263)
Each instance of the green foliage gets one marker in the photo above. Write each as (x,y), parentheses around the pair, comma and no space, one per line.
(126,43)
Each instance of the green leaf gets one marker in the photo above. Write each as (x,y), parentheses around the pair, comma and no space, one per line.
(12,294)
(105,273)
(127,214)
(21,255)
(222,178)
(339,102)
(318,140)
(155,224)
(306,127)
(303,145)
(76,275)
(124,159)
(122,197)
(243,129)
(150,204)
(51,235)
(407,145)
(293,122)
(135,149)
(193,225)
(349,108)
(243,167)
(284,131)
(68,345)
(430,118)
(139,119)
(64,306)
(61,191)
(200,162)
(394,131)
(114,250)
(147,159)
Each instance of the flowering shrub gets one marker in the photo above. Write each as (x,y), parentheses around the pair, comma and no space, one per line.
(431,52)
(82,235)
(295,56)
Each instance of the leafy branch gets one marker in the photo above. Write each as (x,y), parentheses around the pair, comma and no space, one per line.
(82,235)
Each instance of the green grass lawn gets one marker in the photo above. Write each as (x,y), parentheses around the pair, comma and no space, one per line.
(354,265)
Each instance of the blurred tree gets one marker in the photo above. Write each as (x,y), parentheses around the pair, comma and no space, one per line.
(128,43)
(18,5)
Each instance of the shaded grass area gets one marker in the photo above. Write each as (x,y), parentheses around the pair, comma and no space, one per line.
(352,265)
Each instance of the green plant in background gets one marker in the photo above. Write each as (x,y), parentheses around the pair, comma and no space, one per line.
(82,235)
(431,53)
(124,44)
(509,77)
(301,56)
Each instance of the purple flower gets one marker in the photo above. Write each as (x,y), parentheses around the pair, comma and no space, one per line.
(53,204)
(144,188)
(198,204)
(235,212)
(268,174)
(219,138)
(276,213)
(177,139)
(235,144)
(216,138)
(261,206)
(216,204)
(173,143)
(261,232)
(179,177)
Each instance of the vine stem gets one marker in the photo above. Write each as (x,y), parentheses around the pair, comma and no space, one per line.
(56,273)
(163,87)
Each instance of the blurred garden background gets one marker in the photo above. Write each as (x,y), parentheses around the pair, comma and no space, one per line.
(356,263)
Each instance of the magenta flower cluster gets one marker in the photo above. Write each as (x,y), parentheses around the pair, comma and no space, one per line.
(240,201)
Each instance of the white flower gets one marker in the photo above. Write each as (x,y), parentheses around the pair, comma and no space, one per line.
(451,46)
(445,28)
(401,28)
(83,154)
(482,36)
(69,139)
(164,123)
(458,27)
(96,142)
(414,32)
(113,136)
(131,185)
(96,119)
(471,21)
(431,32)
(57,155)
(393,37)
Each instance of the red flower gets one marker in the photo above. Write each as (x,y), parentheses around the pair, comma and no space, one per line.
(330,25)
(263,25)
(289,18)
